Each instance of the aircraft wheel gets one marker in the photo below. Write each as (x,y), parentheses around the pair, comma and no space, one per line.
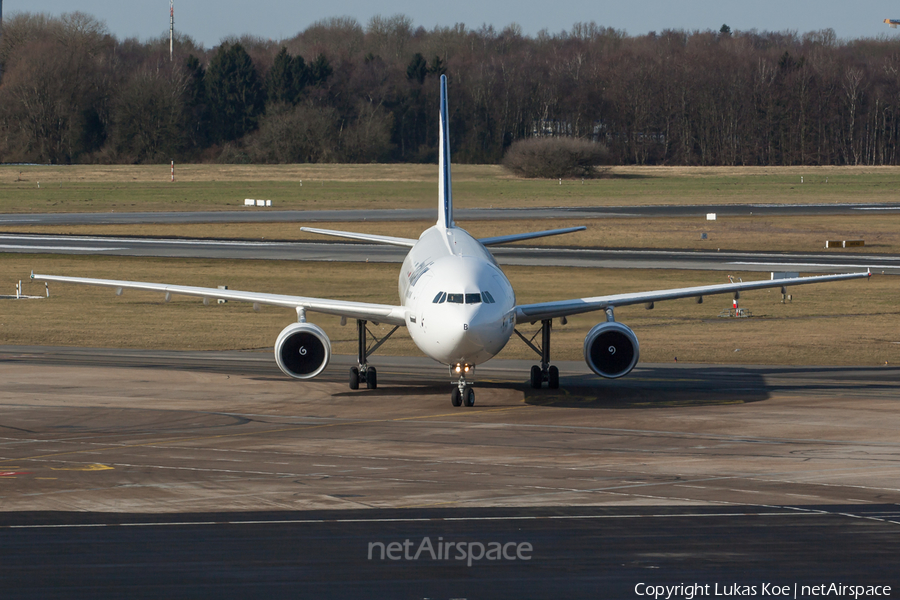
(470,396)
(553,378)
(354,378)
(456,397)
(536,377)
(371,378)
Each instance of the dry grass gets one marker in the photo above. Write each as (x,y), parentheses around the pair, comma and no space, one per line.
(206,173)
(387,172)
(852,323)
(881,232)
(84,188)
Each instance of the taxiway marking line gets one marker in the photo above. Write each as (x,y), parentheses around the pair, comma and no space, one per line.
(781,513)
(263,432)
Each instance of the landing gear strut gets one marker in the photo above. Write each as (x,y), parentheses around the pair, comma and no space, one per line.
(363,373)
(546,371)
(463,393)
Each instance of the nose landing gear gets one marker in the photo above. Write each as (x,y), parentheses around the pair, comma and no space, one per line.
(463,393)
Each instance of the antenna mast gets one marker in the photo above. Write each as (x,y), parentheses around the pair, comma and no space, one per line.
(171,29)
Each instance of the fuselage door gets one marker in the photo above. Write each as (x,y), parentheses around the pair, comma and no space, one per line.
(419,300)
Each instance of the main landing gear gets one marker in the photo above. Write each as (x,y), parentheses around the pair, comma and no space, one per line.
(363,373)
(546,371)
(463,393)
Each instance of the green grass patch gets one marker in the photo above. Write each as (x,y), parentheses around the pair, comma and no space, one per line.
(880,232)
(89,188)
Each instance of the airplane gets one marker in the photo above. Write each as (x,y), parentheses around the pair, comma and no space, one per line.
(456,303)
(892,23)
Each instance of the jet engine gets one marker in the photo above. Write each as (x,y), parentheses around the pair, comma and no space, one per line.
(302,350)
(611,350)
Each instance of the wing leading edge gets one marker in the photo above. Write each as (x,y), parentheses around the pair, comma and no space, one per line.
(382,313)
(564,308)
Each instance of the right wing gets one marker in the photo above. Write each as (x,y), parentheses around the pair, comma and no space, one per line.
(381,313)
(564,308)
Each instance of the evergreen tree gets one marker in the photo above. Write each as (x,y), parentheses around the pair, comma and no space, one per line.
(236,95)
(287,78)
(417,68)
(320,70)
(437,66)
(196,103)
(301,76)
(280,82)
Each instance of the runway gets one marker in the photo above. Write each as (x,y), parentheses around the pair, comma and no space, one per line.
(210,474)
(509,255)
(264,215)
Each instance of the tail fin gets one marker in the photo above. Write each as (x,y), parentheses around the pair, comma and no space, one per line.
(445,195)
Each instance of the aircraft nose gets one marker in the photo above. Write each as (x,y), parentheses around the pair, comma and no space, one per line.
(470,340)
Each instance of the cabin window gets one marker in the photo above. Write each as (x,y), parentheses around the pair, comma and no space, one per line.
(473,298)
(455,298)
(486,296)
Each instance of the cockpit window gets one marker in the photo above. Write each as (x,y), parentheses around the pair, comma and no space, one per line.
(486,296)
(473,298)
(439,299)
(455,298)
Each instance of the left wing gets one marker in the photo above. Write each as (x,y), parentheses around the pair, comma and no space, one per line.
(381,313)
(563,308)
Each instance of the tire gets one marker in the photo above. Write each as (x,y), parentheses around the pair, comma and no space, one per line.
(354,378)
(456,397)
(536,377)
(553,378)
(371,378)
(470,396)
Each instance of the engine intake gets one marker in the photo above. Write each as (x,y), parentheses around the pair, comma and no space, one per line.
(302,350)
(611,350)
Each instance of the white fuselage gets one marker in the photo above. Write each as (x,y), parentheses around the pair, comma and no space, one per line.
(459,304)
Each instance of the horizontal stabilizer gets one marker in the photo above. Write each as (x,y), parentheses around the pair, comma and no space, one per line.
(365,237)
(518,237)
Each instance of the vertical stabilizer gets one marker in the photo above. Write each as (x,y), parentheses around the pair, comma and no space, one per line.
(445,195)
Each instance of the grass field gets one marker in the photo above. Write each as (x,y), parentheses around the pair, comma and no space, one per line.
(850,323)
(90,188)
(881,232)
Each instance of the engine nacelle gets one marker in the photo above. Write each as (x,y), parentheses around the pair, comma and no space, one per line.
(611,350)
(302,350)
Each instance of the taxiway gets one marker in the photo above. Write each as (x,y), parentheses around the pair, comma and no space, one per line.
(210,474)
(509,255)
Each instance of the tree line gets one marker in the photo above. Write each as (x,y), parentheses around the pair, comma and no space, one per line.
(70,92)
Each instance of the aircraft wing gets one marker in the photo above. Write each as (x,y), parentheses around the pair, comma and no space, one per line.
(563,308)
(380,313)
